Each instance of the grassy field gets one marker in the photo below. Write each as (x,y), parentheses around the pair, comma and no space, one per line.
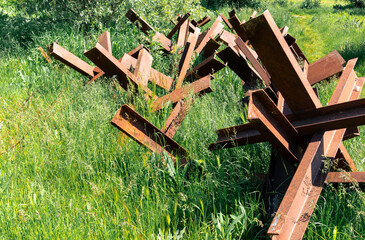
(65,174)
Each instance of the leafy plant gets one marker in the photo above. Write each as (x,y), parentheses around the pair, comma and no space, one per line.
(311,4)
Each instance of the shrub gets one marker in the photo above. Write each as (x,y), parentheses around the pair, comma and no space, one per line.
(358,3)
(311,4)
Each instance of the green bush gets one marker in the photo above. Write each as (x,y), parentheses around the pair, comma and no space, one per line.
(311,4)
(358,3)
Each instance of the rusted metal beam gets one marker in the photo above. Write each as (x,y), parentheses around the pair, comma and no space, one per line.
(229,25)
(299,201)
(178,25)
(134,53)
(253,60)
(227,38)
(294,213)
(212,32)
(352,132)
(145,133)
(203,21)
(104,40)
(156,77)
(325,67)
(240,66)
(165,42)
(183,34)
(139,22)
(345,161)
(71,60)
(186,57)
(253,15)
(346,177)
(237,25)
(210,48)
(208,66)
(200,86)
(329,117)
(176,117)
(143,67)
(337,116)
(111,66)
(235,136)
(270,122)
(279,61)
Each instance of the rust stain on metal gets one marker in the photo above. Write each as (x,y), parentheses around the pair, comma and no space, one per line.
(139,22)
(346,177)
(104,40)
(186,57)
(143,67)
(145,133)
(212,32)
(208,66)
(200,86)
(71,60)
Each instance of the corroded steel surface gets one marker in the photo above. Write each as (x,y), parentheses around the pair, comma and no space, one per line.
(279,61)
(346,177)
(71,60)
(185,60)
(200,86)
(145,133)
(208,66)
(139,22)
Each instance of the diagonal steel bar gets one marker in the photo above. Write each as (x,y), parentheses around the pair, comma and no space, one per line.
(139,22)
(211,47)
(346,177)
(203,21)
(229,25)
(345,161)
(239,65)
(253,60)
(325,67)
(178,25)
(143,67)
(104,40)
(279,61)
(236,25)
(111,66)
(270,122)
(71,60)
(186,57)
(183,34)
(208,66)
(145,133)
(212,32)
(199,86)
(156,77)
(176,117)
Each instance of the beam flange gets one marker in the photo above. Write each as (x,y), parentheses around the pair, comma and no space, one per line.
(200,86)
(270,122)
(71,60)
(145,133)
(279,61)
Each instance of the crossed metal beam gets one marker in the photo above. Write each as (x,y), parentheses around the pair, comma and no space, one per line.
(287,133)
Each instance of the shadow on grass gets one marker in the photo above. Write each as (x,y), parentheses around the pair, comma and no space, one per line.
(350,8)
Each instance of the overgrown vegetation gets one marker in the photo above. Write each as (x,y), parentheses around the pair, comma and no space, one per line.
(65,174)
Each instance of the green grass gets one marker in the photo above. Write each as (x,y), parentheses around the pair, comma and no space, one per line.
(64,173)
